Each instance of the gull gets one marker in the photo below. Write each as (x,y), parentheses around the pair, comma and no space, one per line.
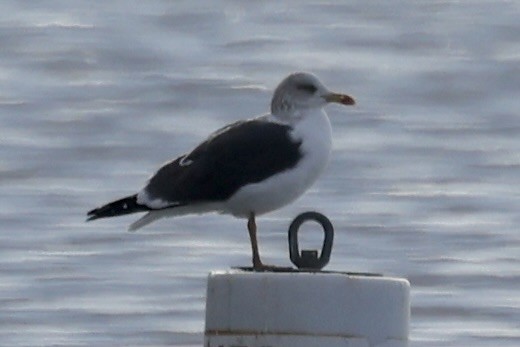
(246,168)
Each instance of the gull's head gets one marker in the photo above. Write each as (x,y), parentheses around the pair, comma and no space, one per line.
(300,91)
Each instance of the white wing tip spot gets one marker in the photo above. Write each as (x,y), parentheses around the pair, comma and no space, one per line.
(185,161)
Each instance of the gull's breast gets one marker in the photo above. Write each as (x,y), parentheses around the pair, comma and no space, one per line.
(314,132)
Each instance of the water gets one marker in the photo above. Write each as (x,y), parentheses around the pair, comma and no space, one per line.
(424,180)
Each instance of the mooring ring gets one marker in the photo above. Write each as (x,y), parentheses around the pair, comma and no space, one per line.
(308,259)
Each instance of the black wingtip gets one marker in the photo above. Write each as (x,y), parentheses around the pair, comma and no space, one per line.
(90,217)
(93,214)
(116,208)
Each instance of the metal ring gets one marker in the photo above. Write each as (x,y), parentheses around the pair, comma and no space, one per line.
(309,259)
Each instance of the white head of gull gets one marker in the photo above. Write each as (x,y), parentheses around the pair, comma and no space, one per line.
(246,168)
(300,92)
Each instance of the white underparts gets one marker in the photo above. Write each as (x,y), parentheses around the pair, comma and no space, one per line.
(143,198)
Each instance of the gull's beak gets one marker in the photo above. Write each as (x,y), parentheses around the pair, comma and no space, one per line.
(339,98)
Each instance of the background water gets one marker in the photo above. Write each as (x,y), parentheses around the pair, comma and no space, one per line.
(423,183)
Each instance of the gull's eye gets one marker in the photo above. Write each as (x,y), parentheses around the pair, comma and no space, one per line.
(307,88)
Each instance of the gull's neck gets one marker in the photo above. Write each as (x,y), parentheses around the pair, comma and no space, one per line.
(292,115)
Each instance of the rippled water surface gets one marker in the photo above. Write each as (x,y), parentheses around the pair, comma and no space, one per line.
(423,183)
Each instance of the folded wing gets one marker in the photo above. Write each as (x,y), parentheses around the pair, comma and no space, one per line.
(239,154)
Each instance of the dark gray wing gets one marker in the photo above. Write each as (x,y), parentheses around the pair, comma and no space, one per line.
(238,154)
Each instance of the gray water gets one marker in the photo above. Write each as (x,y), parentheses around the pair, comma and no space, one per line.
(423,183)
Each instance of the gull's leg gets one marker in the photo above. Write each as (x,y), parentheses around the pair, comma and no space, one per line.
(251,227)
(257,263)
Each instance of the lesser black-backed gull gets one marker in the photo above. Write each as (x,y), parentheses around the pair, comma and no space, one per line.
(246,168)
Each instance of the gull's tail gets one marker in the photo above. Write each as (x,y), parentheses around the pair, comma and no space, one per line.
(117,208)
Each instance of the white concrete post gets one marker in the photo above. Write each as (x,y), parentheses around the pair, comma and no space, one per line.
(306,309)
